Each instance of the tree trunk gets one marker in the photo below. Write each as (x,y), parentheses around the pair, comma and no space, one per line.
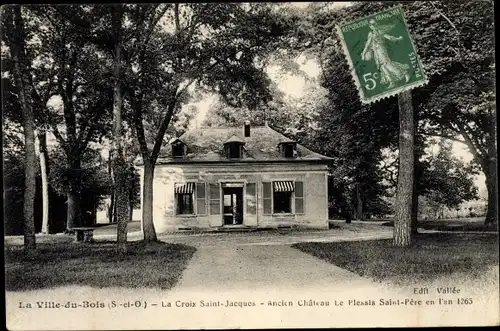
(120,175)
(414,209)
(122,203)
(359,204)
(148,227)
(15,25)
(130,210)
(111,208)
(402,222)
(43,156)
(491,174)
(491,186)
(74,212)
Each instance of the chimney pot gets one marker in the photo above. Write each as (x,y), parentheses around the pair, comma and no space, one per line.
(247,128)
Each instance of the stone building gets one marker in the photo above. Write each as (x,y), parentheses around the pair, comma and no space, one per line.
(239,177)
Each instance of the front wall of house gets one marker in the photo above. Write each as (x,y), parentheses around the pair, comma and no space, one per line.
(313,177)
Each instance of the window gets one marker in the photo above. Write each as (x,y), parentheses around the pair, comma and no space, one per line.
(282,202)
(283,197)
(267,197)
(233,150)
(178,150)
(184,203)
(251,199)
(184,198)
(201,208)
(214,196)
(299,197)
(289,150)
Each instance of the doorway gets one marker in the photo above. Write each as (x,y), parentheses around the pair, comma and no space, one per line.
(233,205)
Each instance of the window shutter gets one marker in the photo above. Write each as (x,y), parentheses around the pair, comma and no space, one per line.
(201,205)
(251,199)
(267,195)
(214,198)
(299,197)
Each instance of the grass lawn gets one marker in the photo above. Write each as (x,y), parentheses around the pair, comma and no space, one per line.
(96,264)
(429,257)
(453,224)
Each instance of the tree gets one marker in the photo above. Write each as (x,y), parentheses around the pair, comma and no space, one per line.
(16,39)
(70,90)
(214,47)
(41,150)
(458,103)
(120,171)
(448,180)
(458,99)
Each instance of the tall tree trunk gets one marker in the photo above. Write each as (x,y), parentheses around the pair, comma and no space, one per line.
(359,203)
(491,173)
(414,208)
(74,211)
(148,227)
(131,195)
(417,173)
(43,157)
(111,208)
(402,222)
(15,25)
(120,175)
(492,189)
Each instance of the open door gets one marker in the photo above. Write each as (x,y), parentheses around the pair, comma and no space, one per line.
(232,205)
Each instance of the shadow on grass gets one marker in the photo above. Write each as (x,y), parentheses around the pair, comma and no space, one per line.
(429,257)
(97,264)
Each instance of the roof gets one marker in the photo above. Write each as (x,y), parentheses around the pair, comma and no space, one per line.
(234,139)
(207,145)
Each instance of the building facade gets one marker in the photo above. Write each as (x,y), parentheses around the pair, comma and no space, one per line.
(239,177)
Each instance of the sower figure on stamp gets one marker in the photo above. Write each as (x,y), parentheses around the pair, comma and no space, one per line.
(375,48)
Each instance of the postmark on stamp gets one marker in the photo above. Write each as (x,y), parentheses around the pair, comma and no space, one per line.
(381,54)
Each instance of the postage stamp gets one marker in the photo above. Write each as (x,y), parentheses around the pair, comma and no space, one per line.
(381,54)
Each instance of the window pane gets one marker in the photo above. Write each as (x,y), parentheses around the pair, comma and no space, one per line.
(267,190)
(184,203)
(214,191)
(282,202)
(251,199)
(299,189)
(200,190)
(201,207)
(214,207)
(299,205)
(267,206)
(177,150)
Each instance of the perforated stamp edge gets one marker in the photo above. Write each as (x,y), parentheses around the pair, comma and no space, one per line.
(390,93)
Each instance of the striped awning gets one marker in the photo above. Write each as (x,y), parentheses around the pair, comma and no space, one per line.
(283,186)
(184,188)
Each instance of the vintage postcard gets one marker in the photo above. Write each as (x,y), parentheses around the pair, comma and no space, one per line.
(250,165)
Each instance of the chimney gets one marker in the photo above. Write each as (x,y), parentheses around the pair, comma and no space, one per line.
(247,128)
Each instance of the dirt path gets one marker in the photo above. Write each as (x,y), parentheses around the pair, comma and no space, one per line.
(263,268)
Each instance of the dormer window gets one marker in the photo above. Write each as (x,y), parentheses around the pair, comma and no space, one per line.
(289,149)
(234,147)
(233,151)
(178,148)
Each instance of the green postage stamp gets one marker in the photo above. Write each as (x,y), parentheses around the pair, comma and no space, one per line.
(381,54)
